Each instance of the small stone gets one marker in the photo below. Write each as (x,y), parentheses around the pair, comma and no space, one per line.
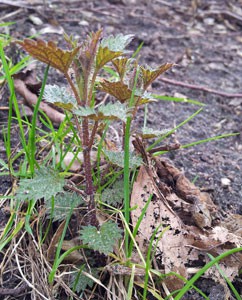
(225,181)
(83,23)
(35,20)
(209,21)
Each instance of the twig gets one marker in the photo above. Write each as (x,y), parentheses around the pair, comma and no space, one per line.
(165,3)
(31,100)
(200,87)
(26,280)
(11,15)
(228,14)
(171,147)
(14,291)
(16,4)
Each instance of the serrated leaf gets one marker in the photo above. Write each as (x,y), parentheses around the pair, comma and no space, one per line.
(143,97)
(85,112)
(117,158)
(102,240)
(148,133)
(88,52)
(120,66)
(63,202)
(117,89)
(114,195)
(105,55)
(113,111)
(79,282)
(59,96)
(105,112)
(118,42)
(149,75)
(49,53)
(46,183)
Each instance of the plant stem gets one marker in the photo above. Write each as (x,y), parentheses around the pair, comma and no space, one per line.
(79,102)
(92,218)
(94,130)
(127,128)
(87,147)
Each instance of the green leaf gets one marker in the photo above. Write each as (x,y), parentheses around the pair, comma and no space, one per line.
(85,112)
(120,66)
(49,53)
(79,281)
(105,55)
(117,158)
(117,43)
(45,184)
(144,97)
(149,74)
(114,111)
(115,194)
(102,240)
(88,52)
(148,133)
(59,96)
(63,202)
(117,89)
(105,112)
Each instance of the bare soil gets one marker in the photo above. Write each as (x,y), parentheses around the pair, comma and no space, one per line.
(204,39)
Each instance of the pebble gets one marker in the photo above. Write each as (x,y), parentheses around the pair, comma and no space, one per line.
(225,181)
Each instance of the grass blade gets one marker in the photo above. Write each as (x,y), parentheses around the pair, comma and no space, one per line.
(173,130)
(203,270)
(176,99)
(230,284)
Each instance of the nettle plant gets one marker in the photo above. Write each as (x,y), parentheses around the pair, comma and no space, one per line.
(85,68)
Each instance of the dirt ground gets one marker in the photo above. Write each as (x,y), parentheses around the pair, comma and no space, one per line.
(203,38)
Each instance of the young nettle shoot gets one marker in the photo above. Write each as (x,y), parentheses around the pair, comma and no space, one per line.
(82,65)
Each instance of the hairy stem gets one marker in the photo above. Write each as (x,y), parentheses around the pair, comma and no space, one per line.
(94,130)
(92,218)
(79,102)
(87,147)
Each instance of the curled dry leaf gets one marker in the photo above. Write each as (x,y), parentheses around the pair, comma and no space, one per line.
(195,226)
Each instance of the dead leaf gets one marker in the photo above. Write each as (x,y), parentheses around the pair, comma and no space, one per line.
(157,213)
(187,241)
(56,237)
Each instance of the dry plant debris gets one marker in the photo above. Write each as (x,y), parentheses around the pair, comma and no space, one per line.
(193,225)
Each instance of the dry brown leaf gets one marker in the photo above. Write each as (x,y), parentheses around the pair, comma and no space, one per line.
(75,256)
(157,213)
(187,241)
(56,237)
